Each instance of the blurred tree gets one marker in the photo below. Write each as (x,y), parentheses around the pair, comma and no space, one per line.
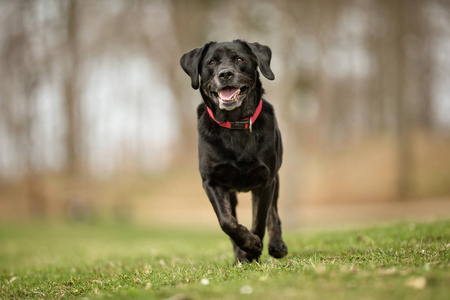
(398,10)
(23,71)
(347,71)
(72,102)
(185,28)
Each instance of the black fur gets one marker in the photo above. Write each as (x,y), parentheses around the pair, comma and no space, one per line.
(232,161)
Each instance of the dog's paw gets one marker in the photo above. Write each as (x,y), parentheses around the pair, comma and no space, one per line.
(252,245)
(278,249)
(248,248)
(244,257)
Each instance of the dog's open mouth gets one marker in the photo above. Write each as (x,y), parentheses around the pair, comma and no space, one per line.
(230,97)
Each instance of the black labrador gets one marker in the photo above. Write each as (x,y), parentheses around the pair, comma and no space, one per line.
(239,143)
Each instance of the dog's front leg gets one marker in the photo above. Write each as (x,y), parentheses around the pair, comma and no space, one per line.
(240,235)
(261,200)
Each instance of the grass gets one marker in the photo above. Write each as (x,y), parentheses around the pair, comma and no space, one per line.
(57,261)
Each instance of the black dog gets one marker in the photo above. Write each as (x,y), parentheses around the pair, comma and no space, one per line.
(239,142)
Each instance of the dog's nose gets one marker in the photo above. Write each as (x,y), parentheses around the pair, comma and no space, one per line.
(226,74)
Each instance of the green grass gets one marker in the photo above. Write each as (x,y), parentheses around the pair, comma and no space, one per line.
(401,261)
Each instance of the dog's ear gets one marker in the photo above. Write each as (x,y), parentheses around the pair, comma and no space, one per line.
(263,54)
(190,62)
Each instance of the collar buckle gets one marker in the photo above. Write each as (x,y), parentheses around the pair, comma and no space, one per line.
(240,125)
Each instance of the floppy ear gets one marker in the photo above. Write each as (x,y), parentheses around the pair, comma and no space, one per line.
(263,54)
(190,63)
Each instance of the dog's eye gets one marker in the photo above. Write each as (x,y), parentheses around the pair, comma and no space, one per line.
(212,62)
(239,60)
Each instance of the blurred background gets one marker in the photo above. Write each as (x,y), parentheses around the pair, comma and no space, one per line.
(98,120)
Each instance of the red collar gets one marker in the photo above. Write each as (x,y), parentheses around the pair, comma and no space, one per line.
(243,124)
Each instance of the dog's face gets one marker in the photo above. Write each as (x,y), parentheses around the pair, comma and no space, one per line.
(228,71)
(228,74)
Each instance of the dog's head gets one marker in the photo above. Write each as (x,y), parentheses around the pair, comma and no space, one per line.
(228,71)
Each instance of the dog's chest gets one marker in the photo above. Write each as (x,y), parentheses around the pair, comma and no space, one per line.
(242,166)
(240,176)
(241,146)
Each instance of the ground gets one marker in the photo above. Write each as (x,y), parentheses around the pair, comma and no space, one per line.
(406,260)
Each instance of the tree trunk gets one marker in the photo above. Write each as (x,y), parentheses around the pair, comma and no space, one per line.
(404,145)
(72,113)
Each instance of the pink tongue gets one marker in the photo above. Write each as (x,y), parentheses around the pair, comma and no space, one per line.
(227,93)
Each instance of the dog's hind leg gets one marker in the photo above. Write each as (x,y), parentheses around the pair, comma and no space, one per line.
(277,247)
